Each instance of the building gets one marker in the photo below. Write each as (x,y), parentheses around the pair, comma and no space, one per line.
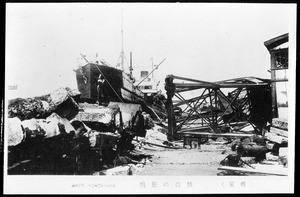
(278,49)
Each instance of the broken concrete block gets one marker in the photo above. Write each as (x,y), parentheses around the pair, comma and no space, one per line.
(271,157)
(60,95)
(61,120)
(60,101)
(15,133)
(26,108)
(280,123)
(55,125)
(279,132)
(49,127)
(276,138)
(97,117)
(32,128)
(117,171)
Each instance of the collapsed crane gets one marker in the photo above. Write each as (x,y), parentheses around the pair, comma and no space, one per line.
(211,108)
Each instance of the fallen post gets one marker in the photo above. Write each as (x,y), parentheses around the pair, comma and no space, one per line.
(207,134)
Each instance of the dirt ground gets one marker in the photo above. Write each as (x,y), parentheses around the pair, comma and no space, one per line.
(185,162)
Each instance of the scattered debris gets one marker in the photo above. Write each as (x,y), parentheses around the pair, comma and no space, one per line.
(270,149)
(54,134)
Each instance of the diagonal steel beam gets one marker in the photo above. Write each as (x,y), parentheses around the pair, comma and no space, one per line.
(178,96)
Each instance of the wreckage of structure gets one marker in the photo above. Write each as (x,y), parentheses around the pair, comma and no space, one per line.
(55,134)
(234,124)
(218,107)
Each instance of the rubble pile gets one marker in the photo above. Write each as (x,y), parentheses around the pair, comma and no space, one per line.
(53,134)
(56,134)
(277,141)
(60,101)
(266,154)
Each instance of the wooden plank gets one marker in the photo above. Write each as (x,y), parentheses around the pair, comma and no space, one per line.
(279,132)
(163,146)
(261,171)
(207,134)
(17,164)
(279,80)
(276,138)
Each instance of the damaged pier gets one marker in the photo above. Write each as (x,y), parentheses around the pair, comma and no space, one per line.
(228,127)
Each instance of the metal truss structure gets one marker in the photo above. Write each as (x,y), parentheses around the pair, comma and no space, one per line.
(214,107)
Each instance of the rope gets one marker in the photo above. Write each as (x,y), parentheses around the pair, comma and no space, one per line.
(110,85)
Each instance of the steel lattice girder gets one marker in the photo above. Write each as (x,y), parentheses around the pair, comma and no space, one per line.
(212,110)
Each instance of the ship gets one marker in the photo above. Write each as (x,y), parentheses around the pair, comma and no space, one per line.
(147,83)
(116,85)
(101,83)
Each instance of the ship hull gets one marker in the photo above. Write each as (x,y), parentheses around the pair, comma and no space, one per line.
(117,87)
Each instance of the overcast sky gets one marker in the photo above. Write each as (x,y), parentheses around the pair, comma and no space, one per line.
(204,41)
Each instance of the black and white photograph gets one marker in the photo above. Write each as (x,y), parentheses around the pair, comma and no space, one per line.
(149,98)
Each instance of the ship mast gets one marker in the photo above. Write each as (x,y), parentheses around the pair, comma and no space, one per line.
(130,66)
(152,67)
(122,52)
(122,56)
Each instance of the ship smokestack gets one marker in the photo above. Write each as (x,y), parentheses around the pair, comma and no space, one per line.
(130,68)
